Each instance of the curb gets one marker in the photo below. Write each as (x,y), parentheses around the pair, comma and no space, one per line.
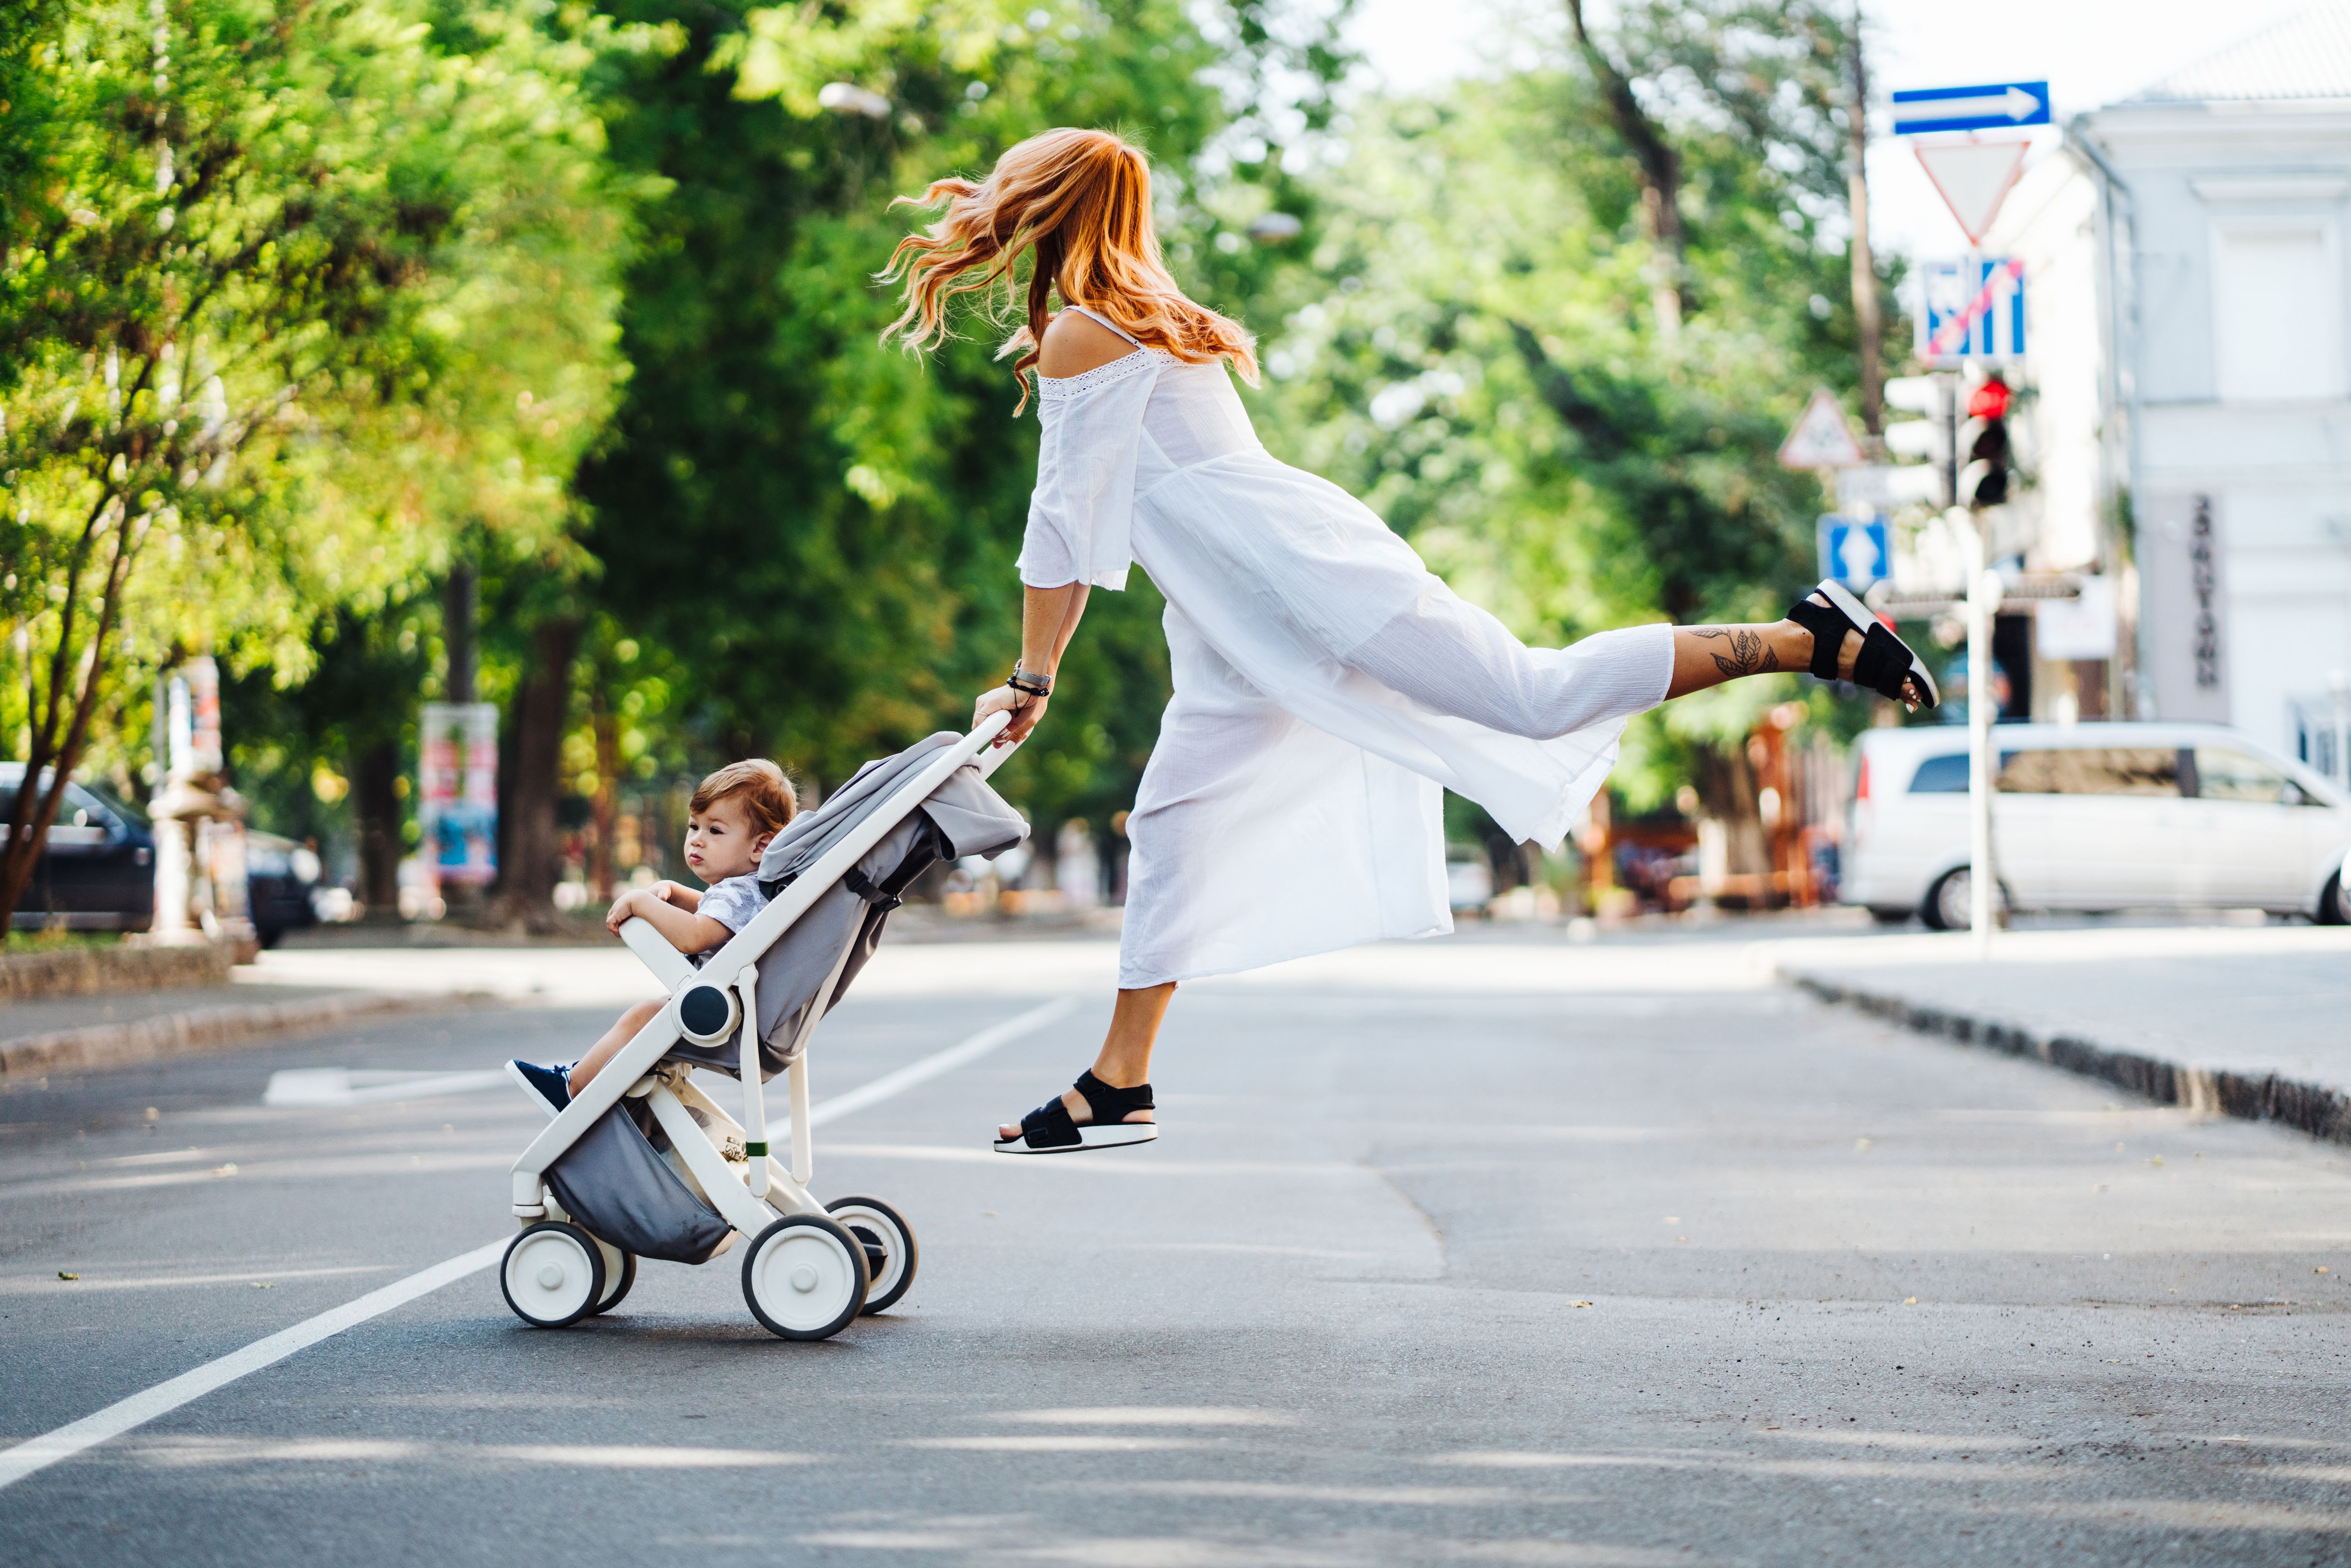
(86,971)
(207,1029)
(2312,1108)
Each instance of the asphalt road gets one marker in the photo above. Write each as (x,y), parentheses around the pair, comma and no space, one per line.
(1634,1271)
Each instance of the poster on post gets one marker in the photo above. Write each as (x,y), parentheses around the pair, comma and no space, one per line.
(457,807)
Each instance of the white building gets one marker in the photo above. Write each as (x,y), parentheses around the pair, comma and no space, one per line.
(2189,430)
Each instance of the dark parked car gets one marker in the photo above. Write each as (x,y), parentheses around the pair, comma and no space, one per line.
(97,873)
(279,877)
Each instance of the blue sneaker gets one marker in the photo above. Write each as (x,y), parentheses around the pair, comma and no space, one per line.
(552,1084)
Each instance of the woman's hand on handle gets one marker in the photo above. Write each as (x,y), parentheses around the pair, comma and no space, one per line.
(1025,710)
(1048,617)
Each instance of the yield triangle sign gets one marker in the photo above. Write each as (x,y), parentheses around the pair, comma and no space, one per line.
(1973,178)
(1822,439)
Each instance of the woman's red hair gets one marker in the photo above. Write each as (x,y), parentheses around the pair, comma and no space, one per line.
(1082,201)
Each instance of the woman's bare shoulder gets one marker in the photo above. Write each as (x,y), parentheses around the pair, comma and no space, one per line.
(1075,343)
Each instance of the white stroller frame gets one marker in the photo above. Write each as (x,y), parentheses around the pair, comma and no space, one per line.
(807,1275)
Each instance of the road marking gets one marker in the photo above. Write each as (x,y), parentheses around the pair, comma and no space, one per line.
(345,1086)
(37,1454)
(65,1442)
(49,1285)
(894,1083)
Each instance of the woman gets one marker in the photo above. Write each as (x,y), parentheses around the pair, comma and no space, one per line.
(1328,687)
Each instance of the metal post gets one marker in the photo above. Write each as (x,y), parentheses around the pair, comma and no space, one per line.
(1983,596)
(2338,686)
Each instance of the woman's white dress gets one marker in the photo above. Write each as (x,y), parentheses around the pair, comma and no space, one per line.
(1328,686)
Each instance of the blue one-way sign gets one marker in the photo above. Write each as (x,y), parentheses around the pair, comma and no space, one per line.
(1857,551)
(1991,108)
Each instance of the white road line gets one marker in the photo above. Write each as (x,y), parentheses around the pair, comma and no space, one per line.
(312,1086)
(38,1453)
(890,1084)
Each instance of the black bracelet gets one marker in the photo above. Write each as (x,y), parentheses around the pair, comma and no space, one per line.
(1021,680)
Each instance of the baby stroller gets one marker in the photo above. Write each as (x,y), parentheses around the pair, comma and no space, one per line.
(641,1163)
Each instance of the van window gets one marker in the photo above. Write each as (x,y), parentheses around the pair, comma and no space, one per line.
(1941,776)
(2223,773)
(2090,771)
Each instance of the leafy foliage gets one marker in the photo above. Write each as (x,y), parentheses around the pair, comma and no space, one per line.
(822,529)
(289,293)
(1475,352)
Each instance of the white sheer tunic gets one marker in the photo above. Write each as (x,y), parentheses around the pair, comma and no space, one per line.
(1328,686)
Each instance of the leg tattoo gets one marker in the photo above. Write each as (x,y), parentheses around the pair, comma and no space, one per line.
(1748,655)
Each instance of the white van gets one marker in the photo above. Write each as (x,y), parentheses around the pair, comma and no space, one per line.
(2095,817)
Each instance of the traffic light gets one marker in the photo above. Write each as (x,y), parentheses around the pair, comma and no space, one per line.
(1984,481)
(1928,438)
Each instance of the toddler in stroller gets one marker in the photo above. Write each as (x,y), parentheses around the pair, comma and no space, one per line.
(730,821)
(638,1161)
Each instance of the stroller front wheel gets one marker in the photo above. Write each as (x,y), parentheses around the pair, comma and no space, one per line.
(890,1251)
(552,1274)
(804,1277)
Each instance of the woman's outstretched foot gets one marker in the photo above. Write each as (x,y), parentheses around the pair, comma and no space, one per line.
(1092,1115)
(1866,653)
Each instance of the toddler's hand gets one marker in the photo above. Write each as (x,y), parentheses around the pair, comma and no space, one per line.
(623,908)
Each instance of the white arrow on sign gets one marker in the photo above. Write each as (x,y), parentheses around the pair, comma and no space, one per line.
(1822,439)
(2014,102)
(1973,178)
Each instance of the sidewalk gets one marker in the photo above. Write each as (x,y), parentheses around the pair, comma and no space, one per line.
(117,1027)
(2251,1021)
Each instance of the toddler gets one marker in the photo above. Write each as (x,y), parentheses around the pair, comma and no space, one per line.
(733,814)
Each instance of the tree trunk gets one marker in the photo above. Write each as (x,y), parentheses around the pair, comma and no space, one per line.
(542,709)
(55,737)
(458,613)
(1660,171)
(1866,321)
(607,806)
(375,801)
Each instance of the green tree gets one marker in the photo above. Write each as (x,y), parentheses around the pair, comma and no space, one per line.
(816,530)
(290,292)
(1558,350)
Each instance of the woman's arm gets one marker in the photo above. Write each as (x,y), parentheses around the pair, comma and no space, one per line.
(1049,619)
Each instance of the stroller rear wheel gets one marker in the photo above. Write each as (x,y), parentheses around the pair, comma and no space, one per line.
(620,1274)
(891,1254)
(552,1275)
(804,1277)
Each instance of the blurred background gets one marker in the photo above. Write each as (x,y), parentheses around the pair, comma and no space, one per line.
(438,431)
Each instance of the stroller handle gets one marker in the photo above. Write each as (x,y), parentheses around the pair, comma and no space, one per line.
(992,757)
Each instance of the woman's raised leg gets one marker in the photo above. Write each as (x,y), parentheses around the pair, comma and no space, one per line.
(1709,655)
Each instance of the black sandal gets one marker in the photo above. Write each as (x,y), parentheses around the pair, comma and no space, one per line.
(1885,662)
(1050,1129)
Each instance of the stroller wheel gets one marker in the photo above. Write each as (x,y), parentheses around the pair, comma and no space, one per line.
(620,1274)
(890,1251)
(804,1277)
(552,1274)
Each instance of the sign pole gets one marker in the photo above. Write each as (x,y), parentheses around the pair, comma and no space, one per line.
(1984,595)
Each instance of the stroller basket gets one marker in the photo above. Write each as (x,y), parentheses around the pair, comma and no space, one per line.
(642,1164)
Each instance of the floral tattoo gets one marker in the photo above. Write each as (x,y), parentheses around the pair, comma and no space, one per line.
(1748,655)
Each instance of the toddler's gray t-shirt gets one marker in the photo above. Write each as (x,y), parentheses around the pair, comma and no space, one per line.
(732,902)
